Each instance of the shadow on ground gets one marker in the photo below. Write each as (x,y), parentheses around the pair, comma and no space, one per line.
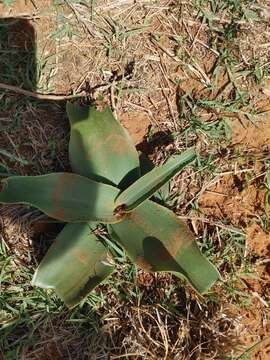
(33,141)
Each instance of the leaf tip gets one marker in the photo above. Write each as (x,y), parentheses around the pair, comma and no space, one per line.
(211,279)
(76,112)
(37,282)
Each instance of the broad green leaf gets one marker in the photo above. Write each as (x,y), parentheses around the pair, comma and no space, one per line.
(63,196)
(163,193)
(157,240)
(148,184)
(100,147)
(74,265)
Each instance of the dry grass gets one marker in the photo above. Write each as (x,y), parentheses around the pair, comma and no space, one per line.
(140,328)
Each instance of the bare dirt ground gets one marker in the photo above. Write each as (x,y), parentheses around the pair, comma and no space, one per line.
(176,74)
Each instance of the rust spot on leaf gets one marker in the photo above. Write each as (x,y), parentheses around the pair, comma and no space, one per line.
(142,222)
(177,233)
(175,243)
(143,263)
(1,186)
(59,214)
(181,238)
(82,258)
(64,186)
(116,144)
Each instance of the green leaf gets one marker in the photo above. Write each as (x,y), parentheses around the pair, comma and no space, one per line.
(164,192)
(74,265)
(62,196)
(148,184)
(157,240)
(100,147)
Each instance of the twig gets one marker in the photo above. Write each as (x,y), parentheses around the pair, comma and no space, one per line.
(113,99)
(255,294)
(37,95)
(119,3)
(207,47)
(22,16)
(166,51)
(234,172)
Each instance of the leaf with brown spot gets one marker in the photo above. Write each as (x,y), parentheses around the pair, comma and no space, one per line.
(100,148)
(74,265)
(156,239)
(63,196)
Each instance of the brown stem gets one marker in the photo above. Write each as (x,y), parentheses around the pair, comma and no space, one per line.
(36,95)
